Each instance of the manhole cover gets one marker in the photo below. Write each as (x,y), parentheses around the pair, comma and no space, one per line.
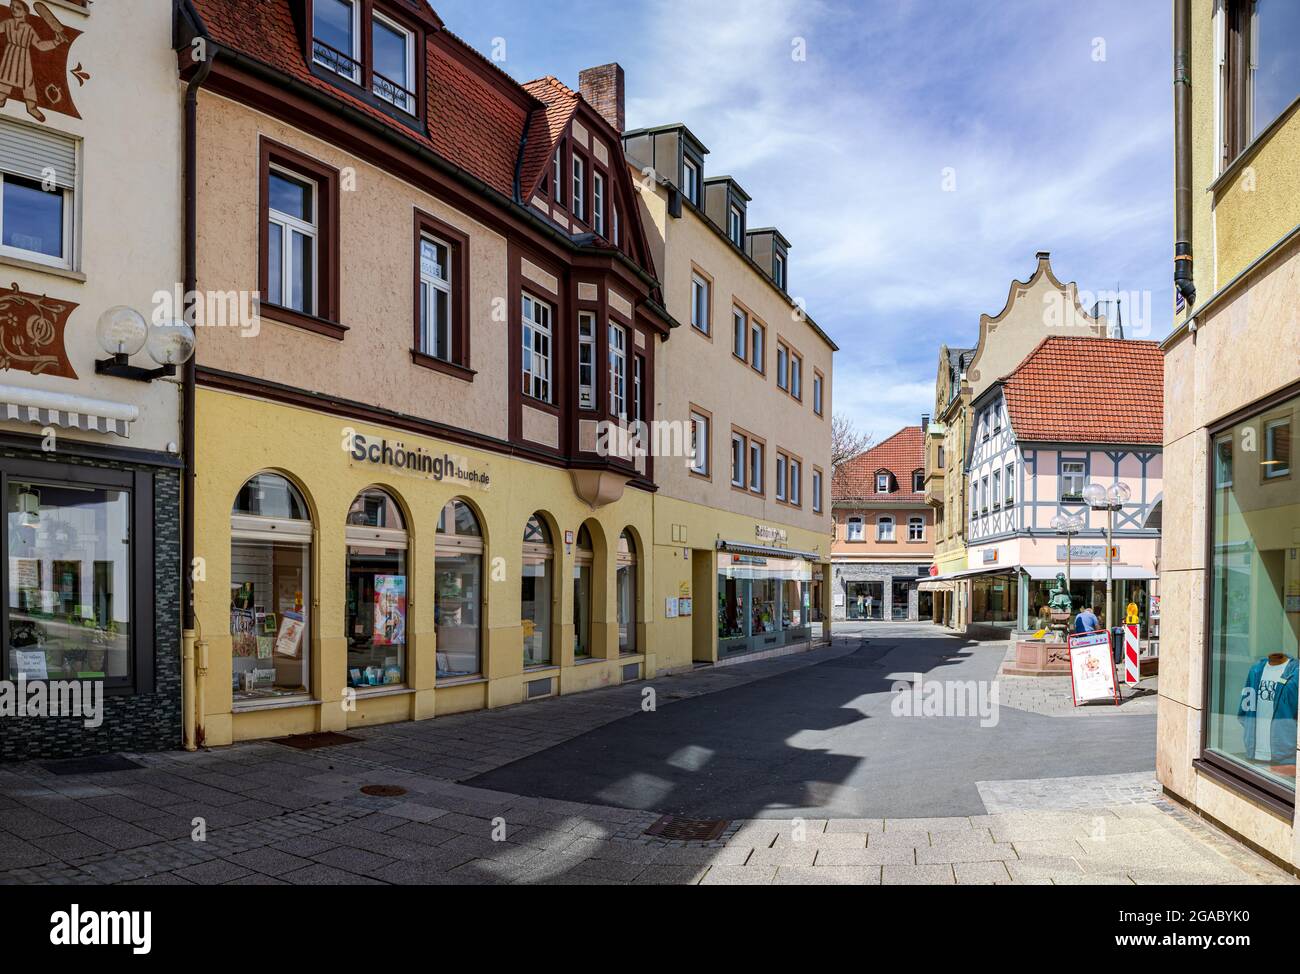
(382,791)
(687,829)
(309,742)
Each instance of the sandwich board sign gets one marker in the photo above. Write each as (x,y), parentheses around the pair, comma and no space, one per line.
(1092,668)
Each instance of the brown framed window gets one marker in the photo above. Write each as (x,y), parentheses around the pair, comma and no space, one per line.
(298,264)
(1261,76)
(441,338)
(819,387)
(375,46)
(757,346)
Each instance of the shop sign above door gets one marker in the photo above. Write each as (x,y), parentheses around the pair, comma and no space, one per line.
(764,533)
(416,461)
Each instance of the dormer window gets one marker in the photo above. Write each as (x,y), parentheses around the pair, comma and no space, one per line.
(736,226)
(336,37)
(691,181)
(778,270)
(393,71)
(882,483)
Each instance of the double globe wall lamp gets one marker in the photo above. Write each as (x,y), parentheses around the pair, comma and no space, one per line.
(1109,499)
(122,332)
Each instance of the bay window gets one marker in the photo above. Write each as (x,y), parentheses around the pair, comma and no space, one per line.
(598,203)
(586,360)
(617,371)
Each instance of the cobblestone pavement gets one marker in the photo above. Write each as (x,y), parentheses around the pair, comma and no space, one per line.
(1051,696)
(264,813)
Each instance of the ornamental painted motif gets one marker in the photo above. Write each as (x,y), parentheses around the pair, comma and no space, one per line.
(34,49)
(31,333)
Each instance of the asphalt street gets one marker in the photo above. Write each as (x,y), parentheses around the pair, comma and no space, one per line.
(823,742)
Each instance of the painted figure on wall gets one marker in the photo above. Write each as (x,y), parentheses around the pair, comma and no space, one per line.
(34,60)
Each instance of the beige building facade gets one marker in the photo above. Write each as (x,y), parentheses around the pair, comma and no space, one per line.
(1035,309)
(742,524)
(1231,553)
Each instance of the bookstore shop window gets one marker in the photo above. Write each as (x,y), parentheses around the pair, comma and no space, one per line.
(375,607)
(458,592)
(1254,618)
(270,572)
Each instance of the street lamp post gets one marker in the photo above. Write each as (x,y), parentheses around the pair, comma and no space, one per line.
(1109,499)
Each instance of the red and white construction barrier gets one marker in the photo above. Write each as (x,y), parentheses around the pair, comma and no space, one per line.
(1132,672)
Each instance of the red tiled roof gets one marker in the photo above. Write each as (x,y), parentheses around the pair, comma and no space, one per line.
(548,126)
(1088,390)
(473,122)
(901,454)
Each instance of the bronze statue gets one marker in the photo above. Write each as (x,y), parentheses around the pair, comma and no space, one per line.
(1060,596)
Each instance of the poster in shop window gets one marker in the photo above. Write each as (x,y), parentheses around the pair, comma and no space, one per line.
(390,610)
(288,642)
(1092,668)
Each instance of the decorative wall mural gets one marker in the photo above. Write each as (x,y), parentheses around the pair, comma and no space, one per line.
(31,333)
(34,49)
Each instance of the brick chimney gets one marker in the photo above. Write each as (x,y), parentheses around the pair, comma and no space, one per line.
(603,89)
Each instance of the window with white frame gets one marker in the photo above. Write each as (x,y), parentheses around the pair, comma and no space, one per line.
(586,360)
(853,529)
(638,374)
(1009,484)
(579,195)
(292,241)
(755,467)
(884,528)
(817,393)
(393,68)
(1072,474)
(557,174)
(737,460)
(756,333)
(1277,449)
(38,178)
(780,477)
(817,490)
(598,203)
(691,181)
(618,231)
(336,36)
(916,529)
(617,371)
(435,298)
(882,483)
(739,328)
(736,226)
(699,444)
(778,270)
(796,376)
(796,482)
(997,491)
(700,303)
(782,366)
(918,481)
(537,348)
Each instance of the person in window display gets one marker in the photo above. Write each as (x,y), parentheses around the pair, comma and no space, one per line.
(1268,712)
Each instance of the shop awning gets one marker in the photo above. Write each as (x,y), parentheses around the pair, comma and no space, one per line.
(934,585)
(66,411)
(744,548)
(1080,571)
(968,572)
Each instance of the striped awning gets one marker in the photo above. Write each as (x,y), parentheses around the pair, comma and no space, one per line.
(66,411)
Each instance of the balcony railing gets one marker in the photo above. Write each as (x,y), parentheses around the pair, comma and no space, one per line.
(335,60)
(393,93)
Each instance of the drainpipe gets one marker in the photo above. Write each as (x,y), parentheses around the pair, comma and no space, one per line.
(1183,280)
(194,653)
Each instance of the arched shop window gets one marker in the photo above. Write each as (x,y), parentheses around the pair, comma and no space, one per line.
(535,595)
(270,598)
(584,562)
(625,589)
(458,591)
(374,614)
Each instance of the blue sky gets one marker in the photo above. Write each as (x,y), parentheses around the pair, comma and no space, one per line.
(1050,121)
